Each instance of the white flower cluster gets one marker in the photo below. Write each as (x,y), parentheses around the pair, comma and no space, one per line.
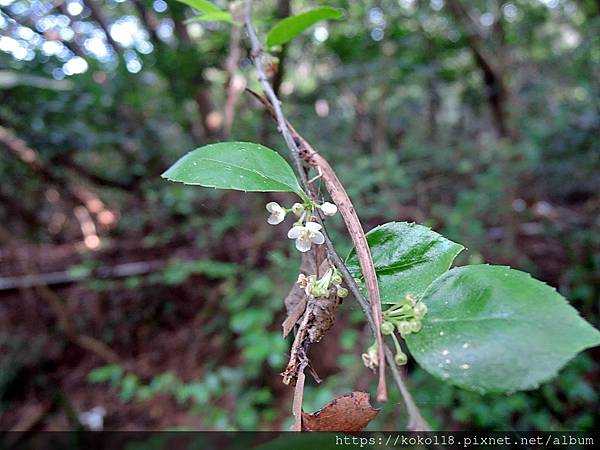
(305,231)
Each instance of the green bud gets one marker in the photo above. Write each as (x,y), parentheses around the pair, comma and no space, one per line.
(415,325)
(404,328)
(298,209)
(410,300)
(336,279)
(387,328)
(401,358)
(420,310)
(319,291)
(342,292)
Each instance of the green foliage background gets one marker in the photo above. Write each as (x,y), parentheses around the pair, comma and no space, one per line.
(393,95)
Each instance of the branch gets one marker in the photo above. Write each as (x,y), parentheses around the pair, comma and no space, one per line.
(66,323)
(298,396)
(298,146)
(29,23)
(149,19)
(22,152)
(416,422)
(18,149)
(341,199)
(283,11)
(493,77)
(98,16)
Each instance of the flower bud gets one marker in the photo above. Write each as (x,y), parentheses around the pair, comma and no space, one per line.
(329,209)
(342,292)
(298,209)
(415,325)
(370,359)
(387,328)
(336,279)
(410,299)
(404,328)
(420,310)
(401,358)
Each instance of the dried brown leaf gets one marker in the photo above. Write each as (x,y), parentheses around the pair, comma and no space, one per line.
(297,311)
(323,316)
(350,412)
(313,263)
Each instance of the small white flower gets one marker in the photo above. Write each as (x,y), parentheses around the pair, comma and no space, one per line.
(306,235)
(370,359)
(302,280)
(329,209)
(306,283)
(277,213)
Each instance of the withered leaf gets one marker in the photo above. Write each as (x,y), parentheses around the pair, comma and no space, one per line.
(323,310)
(296,294)
(350,412)
(295,302)
(300,305)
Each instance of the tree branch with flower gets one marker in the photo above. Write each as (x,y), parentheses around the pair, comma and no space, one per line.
(481,327)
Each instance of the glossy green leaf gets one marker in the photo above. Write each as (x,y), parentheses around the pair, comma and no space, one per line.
(242,166)
(407,258)
(217,16)
(290,27)
(495,329)
(204,6)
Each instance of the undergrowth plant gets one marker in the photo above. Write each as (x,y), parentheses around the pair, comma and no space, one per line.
(481,327)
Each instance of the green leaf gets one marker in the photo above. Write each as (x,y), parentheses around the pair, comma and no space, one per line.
(290,27)
(129,387)
(407,258)
(217,16)
(110,372)
(204,6)
(495,329)
(242,166)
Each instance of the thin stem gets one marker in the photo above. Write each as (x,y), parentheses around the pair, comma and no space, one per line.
(396,344)
(257,54)
(416,421)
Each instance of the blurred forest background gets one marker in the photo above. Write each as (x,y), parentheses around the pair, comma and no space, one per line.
(129,302)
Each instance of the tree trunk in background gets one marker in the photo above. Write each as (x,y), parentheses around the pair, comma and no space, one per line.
(283,11)
(212,119)
(98,16)
(495,92)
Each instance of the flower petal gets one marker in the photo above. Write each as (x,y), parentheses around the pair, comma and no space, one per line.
(295,232)
(313,226)
(272,206)
(303,245)
(318,238)
(275,219)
